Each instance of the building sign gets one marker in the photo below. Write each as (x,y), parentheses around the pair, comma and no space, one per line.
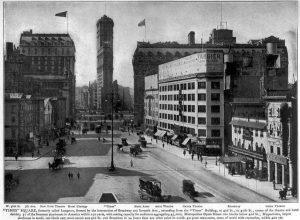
(204,62)
(277,159)
(217,141)
(15,95)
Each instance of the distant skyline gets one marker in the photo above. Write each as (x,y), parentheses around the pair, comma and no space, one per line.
(165,21)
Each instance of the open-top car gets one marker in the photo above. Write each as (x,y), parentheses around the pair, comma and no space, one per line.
(150,189)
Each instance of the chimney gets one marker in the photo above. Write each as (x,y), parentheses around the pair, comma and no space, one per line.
(191,38)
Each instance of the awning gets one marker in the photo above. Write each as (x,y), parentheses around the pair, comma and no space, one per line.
(157,133)
(186,141)
(162,133)
(231,159)
(174,137)
(248,124)
(213,146)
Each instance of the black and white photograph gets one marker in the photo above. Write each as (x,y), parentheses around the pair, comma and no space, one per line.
(108,102)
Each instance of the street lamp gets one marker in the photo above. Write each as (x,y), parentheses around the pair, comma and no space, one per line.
(112,166)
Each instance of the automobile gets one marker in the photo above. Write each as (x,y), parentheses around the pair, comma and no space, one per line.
(150,189)
(135,149)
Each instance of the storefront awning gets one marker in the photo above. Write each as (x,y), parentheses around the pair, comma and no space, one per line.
(185,141)
(174,137)
(231,159)
(248,124)
(162,133)
(157,133)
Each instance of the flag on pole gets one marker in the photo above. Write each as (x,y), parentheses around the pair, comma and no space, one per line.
(142,23)
(62,14)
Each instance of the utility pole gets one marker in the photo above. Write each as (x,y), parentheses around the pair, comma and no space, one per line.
(112,166)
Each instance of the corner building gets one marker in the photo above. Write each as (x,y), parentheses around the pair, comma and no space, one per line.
(191,100)
(104,62)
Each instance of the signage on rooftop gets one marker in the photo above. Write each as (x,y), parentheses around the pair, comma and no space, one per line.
(204,62)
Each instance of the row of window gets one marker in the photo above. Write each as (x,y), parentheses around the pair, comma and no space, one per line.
(48,51)
(189,97)
(189,108)
(189,119)
(188,86)
(238,129)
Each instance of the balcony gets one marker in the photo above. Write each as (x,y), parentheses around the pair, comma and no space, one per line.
(243,151)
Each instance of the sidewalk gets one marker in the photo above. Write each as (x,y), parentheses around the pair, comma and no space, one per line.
(43,151)
(262,187)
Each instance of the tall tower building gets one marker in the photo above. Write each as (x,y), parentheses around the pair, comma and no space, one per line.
(104,62)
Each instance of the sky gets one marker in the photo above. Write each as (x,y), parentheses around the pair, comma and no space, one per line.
(165,21)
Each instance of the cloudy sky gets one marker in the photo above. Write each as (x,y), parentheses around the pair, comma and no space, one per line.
(166,21)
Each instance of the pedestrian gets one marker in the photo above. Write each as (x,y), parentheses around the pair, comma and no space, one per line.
(184,152)
(163,145)
(156,140)
(151,140)
(98,138)
(32,154)
(38,152)
(201,159)
(131,163)
(274,184)
(205,164)
(198,156)
(78,175)
(49,164)
(69,175)
(16,157)
(192,156)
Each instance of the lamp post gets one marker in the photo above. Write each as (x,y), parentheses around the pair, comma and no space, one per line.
(112,166)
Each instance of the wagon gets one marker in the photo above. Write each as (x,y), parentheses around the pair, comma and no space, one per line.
(150,190)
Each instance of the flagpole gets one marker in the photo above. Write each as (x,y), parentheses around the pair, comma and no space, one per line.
(145,32)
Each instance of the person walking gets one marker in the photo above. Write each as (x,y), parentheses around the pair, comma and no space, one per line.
(205,164)
(198,156)
(78,175)
(69,175)
(192,156)
(184,152)
(163,145)
(131,163)
(201,159)
(32,154)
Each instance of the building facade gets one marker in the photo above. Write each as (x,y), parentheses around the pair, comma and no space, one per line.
(151,103)
(191,98)
(252,64)
(104,61)
(93,96)
(49,66)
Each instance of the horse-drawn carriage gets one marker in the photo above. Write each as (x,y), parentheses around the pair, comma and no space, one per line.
(57,164)
(150,189)
(135,149)
(143,141)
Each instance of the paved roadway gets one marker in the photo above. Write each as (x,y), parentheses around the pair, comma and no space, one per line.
(91,158)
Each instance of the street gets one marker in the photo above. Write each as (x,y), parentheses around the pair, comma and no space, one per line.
(91,158)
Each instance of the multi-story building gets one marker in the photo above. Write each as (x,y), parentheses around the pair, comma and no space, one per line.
(49,66)
(258,65)
(279,138)
(13,65)
(93,96)
(19,122)
(191,99)
(250,144)
(59,112)
(151,103)
(104,61)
